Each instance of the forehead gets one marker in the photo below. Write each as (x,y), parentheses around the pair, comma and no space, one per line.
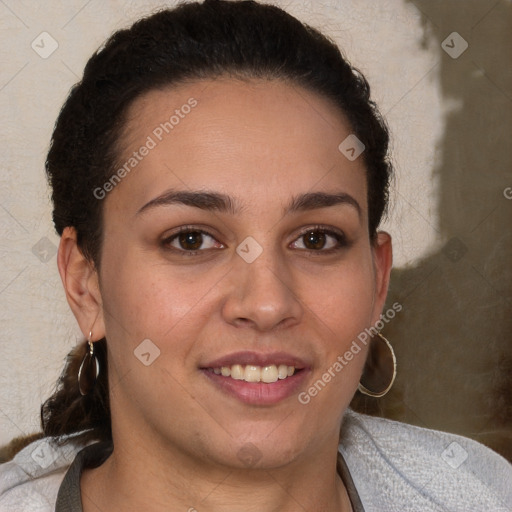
(250,139)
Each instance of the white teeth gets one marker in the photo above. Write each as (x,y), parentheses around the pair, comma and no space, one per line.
(237,372)
(283,371)
(253,373)
(269,374)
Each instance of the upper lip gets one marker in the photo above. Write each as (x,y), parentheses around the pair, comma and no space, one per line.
(257,359)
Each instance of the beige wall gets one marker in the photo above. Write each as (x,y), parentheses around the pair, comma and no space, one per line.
(449,118)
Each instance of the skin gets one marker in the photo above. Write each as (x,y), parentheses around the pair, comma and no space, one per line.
(176,435)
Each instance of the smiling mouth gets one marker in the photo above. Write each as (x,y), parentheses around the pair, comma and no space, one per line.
(252,373)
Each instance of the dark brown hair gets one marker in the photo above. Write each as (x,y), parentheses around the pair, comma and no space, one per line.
(240,39)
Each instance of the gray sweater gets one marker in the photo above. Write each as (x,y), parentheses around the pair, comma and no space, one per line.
(387,466)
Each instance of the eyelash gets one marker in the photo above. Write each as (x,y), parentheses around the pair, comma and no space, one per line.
(339,236)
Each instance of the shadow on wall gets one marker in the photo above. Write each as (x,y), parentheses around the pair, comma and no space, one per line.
(453,339)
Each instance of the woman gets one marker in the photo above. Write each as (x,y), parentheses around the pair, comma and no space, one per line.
(218,179)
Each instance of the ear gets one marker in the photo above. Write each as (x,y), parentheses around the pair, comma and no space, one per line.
(382,263)
(81,284)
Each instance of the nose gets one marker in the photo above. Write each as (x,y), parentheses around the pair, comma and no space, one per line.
(261,295)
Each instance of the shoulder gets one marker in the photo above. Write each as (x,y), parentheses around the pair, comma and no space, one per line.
(396,466)
(30,481)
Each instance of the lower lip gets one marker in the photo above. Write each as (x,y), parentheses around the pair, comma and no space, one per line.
(258,393)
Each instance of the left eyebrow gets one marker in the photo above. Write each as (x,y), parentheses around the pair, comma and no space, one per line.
(215,201)
(314,200)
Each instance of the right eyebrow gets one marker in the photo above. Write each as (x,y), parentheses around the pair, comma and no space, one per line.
(198,199)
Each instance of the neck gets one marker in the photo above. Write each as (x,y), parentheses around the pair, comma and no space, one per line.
(142,478)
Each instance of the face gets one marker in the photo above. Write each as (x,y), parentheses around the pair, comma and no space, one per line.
(237,244)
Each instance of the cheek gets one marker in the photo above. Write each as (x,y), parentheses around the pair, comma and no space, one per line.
(340,309)
(342,299)
(143,299)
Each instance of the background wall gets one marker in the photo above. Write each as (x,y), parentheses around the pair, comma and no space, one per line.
(449,109)
(454,340)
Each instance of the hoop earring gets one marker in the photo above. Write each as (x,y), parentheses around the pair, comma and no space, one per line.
(89,369)
(380,370)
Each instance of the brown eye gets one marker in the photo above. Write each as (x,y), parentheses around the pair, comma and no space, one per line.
(191,240)
(314,240)
(320,240)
